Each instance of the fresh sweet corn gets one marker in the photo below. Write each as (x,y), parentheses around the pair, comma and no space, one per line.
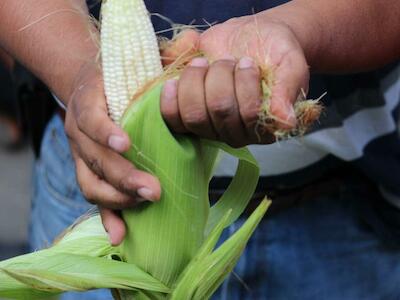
(130,54)
(170,249)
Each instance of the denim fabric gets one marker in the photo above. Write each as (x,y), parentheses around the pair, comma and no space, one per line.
(57,201)
(323,249)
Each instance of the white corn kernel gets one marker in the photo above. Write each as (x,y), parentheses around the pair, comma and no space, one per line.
(130,54)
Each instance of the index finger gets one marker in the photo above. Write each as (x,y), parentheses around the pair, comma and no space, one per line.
(183,47)
(91,116)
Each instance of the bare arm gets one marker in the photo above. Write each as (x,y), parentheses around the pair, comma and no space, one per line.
(344,36)
(326,36)
(56,40)
(51,38)
(330,36)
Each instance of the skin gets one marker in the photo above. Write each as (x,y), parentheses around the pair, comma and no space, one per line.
(324,36)
(6,60)
(221,100)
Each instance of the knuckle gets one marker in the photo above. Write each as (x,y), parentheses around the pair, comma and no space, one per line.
(101,133)
(195,118)
(125,184)
(222,107)
(83,115)
(96,165)
(250,116)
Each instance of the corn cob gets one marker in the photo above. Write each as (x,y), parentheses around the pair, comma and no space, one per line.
(169,249)
(130,54)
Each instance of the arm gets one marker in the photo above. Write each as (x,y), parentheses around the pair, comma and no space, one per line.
(343,36)
(51,38)
(56,40)
(322,35)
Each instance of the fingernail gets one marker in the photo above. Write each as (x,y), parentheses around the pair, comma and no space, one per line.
(146,193)
(170,89)
(117,143)
(199,62)
(246,63)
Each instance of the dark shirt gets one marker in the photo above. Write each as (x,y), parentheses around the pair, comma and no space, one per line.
(358,127)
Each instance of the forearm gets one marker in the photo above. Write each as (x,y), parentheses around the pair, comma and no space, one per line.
(6,60)
(342,35)
(52,38)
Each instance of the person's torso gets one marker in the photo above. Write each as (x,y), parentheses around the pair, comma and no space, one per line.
(359,125)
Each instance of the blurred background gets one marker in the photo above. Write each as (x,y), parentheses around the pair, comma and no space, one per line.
(15,171)
(25,106)
(15,167)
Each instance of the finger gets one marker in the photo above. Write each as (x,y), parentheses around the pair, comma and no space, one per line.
(116,170)
(169,106)
(291,76)
(114,225)
(91,115)
(183,47)
(249,95)
(221,102)
(97,191)
(191,99)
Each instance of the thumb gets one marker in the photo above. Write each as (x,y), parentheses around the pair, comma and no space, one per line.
(183,47)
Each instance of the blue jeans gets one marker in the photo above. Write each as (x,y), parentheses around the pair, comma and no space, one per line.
(322,249)
(57,201)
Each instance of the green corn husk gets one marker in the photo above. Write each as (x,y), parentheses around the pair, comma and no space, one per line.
(169,249)
(187,217)
(80,261)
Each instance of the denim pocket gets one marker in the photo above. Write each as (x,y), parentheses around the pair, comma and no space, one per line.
(53,212)
(58,169)
(55,141)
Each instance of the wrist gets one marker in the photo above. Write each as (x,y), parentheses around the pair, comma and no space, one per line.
(88,76)
(65,81)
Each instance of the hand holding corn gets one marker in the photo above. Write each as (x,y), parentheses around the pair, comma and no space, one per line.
(170,251)
(105,177)
(222,99)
